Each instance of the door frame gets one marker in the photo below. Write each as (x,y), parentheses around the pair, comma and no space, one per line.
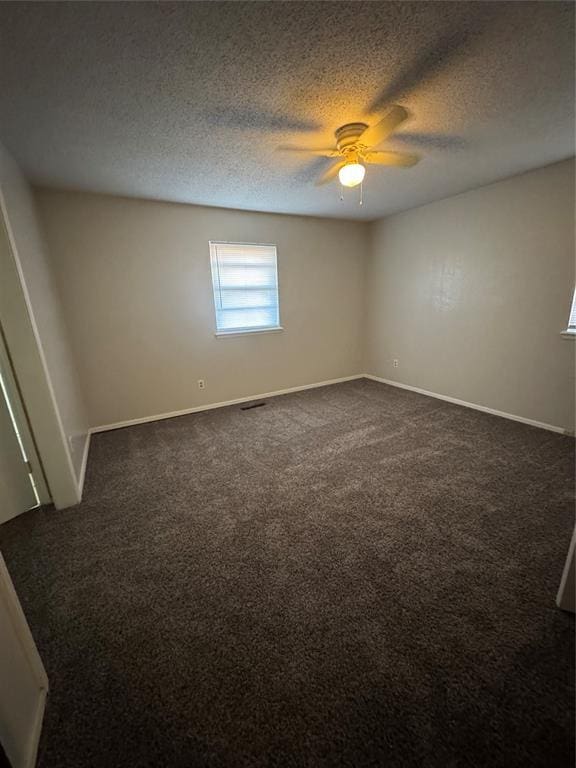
(21,736)
(16,405)
(566,597)
(24,343)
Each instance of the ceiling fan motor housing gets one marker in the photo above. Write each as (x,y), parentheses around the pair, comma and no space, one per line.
(347,135)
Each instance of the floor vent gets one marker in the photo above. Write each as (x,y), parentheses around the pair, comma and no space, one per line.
(252,405)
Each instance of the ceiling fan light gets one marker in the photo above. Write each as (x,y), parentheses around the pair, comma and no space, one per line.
(351,174)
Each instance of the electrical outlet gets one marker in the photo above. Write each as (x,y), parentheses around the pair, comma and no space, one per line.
(201,384)
(395,363)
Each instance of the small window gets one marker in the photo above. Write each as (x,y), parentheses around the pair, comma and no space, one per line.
(245,282)
(572,319)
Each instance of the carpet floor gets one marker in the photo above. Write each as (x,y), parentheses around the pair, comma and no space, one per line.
(349,576)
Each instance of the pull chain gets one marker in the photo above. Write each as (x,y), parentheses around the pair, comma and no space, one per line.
(361,192)
(341,193)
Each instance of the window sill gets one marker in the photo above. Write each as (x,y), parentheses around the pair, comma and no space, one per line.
(248,332)
(568,334)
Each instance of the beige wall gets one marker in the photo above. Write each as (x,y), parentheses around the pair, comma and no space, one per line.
(134,279)
(470,295)
(37,340)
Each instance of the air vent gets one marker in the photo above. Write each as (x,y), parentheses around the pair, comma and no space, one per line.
(250,406)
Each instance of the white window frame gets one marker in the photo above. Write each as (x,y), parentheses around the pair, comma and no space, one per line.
(570,332)
(213,267)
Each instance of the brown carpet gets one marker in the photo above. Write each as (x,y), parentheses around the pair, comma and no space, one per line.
(349,576)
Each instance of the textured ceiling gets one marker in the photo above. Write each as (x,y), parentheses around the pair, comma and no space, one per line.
(188,101)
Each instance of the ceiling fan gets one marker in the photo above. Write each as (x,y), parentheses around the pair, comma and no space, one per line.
(354,142)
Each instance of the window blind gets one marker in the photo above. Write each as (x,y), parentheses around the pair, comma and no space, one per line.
(245,283)
(572,318)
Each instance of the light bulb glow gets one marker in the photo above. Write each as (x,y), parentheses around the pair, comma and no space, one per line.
(351,174)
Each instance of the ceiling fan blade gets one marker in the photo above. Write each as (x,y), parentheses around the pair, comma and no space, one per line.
(399,159)
(322,152)
(331,173)
(376,134)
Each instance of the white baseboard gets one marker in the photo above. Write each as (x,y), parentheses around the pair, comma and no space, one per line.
(84,464)
(483,408)
(260,396)
(197,409)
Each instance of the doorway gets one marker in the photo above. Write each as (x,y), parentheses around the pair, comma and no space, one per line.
(22,482)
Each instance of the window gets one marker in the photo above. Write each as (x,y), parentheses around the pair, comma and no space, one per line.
(572,319)
(245,282)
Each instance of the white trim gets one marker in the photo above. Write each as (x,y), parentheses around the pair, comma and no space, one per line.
(84,464)
(70,494)
(569,333)
(36,730)
(483,408)
(328,382)
(20,627)
(238,242)
(565,596)
(215,273)
(197,409)
(22,425)
(20,624)
(245,331)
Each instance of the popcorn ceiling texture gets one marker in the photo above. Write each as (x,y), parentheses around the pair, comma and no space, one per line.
(188,101)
